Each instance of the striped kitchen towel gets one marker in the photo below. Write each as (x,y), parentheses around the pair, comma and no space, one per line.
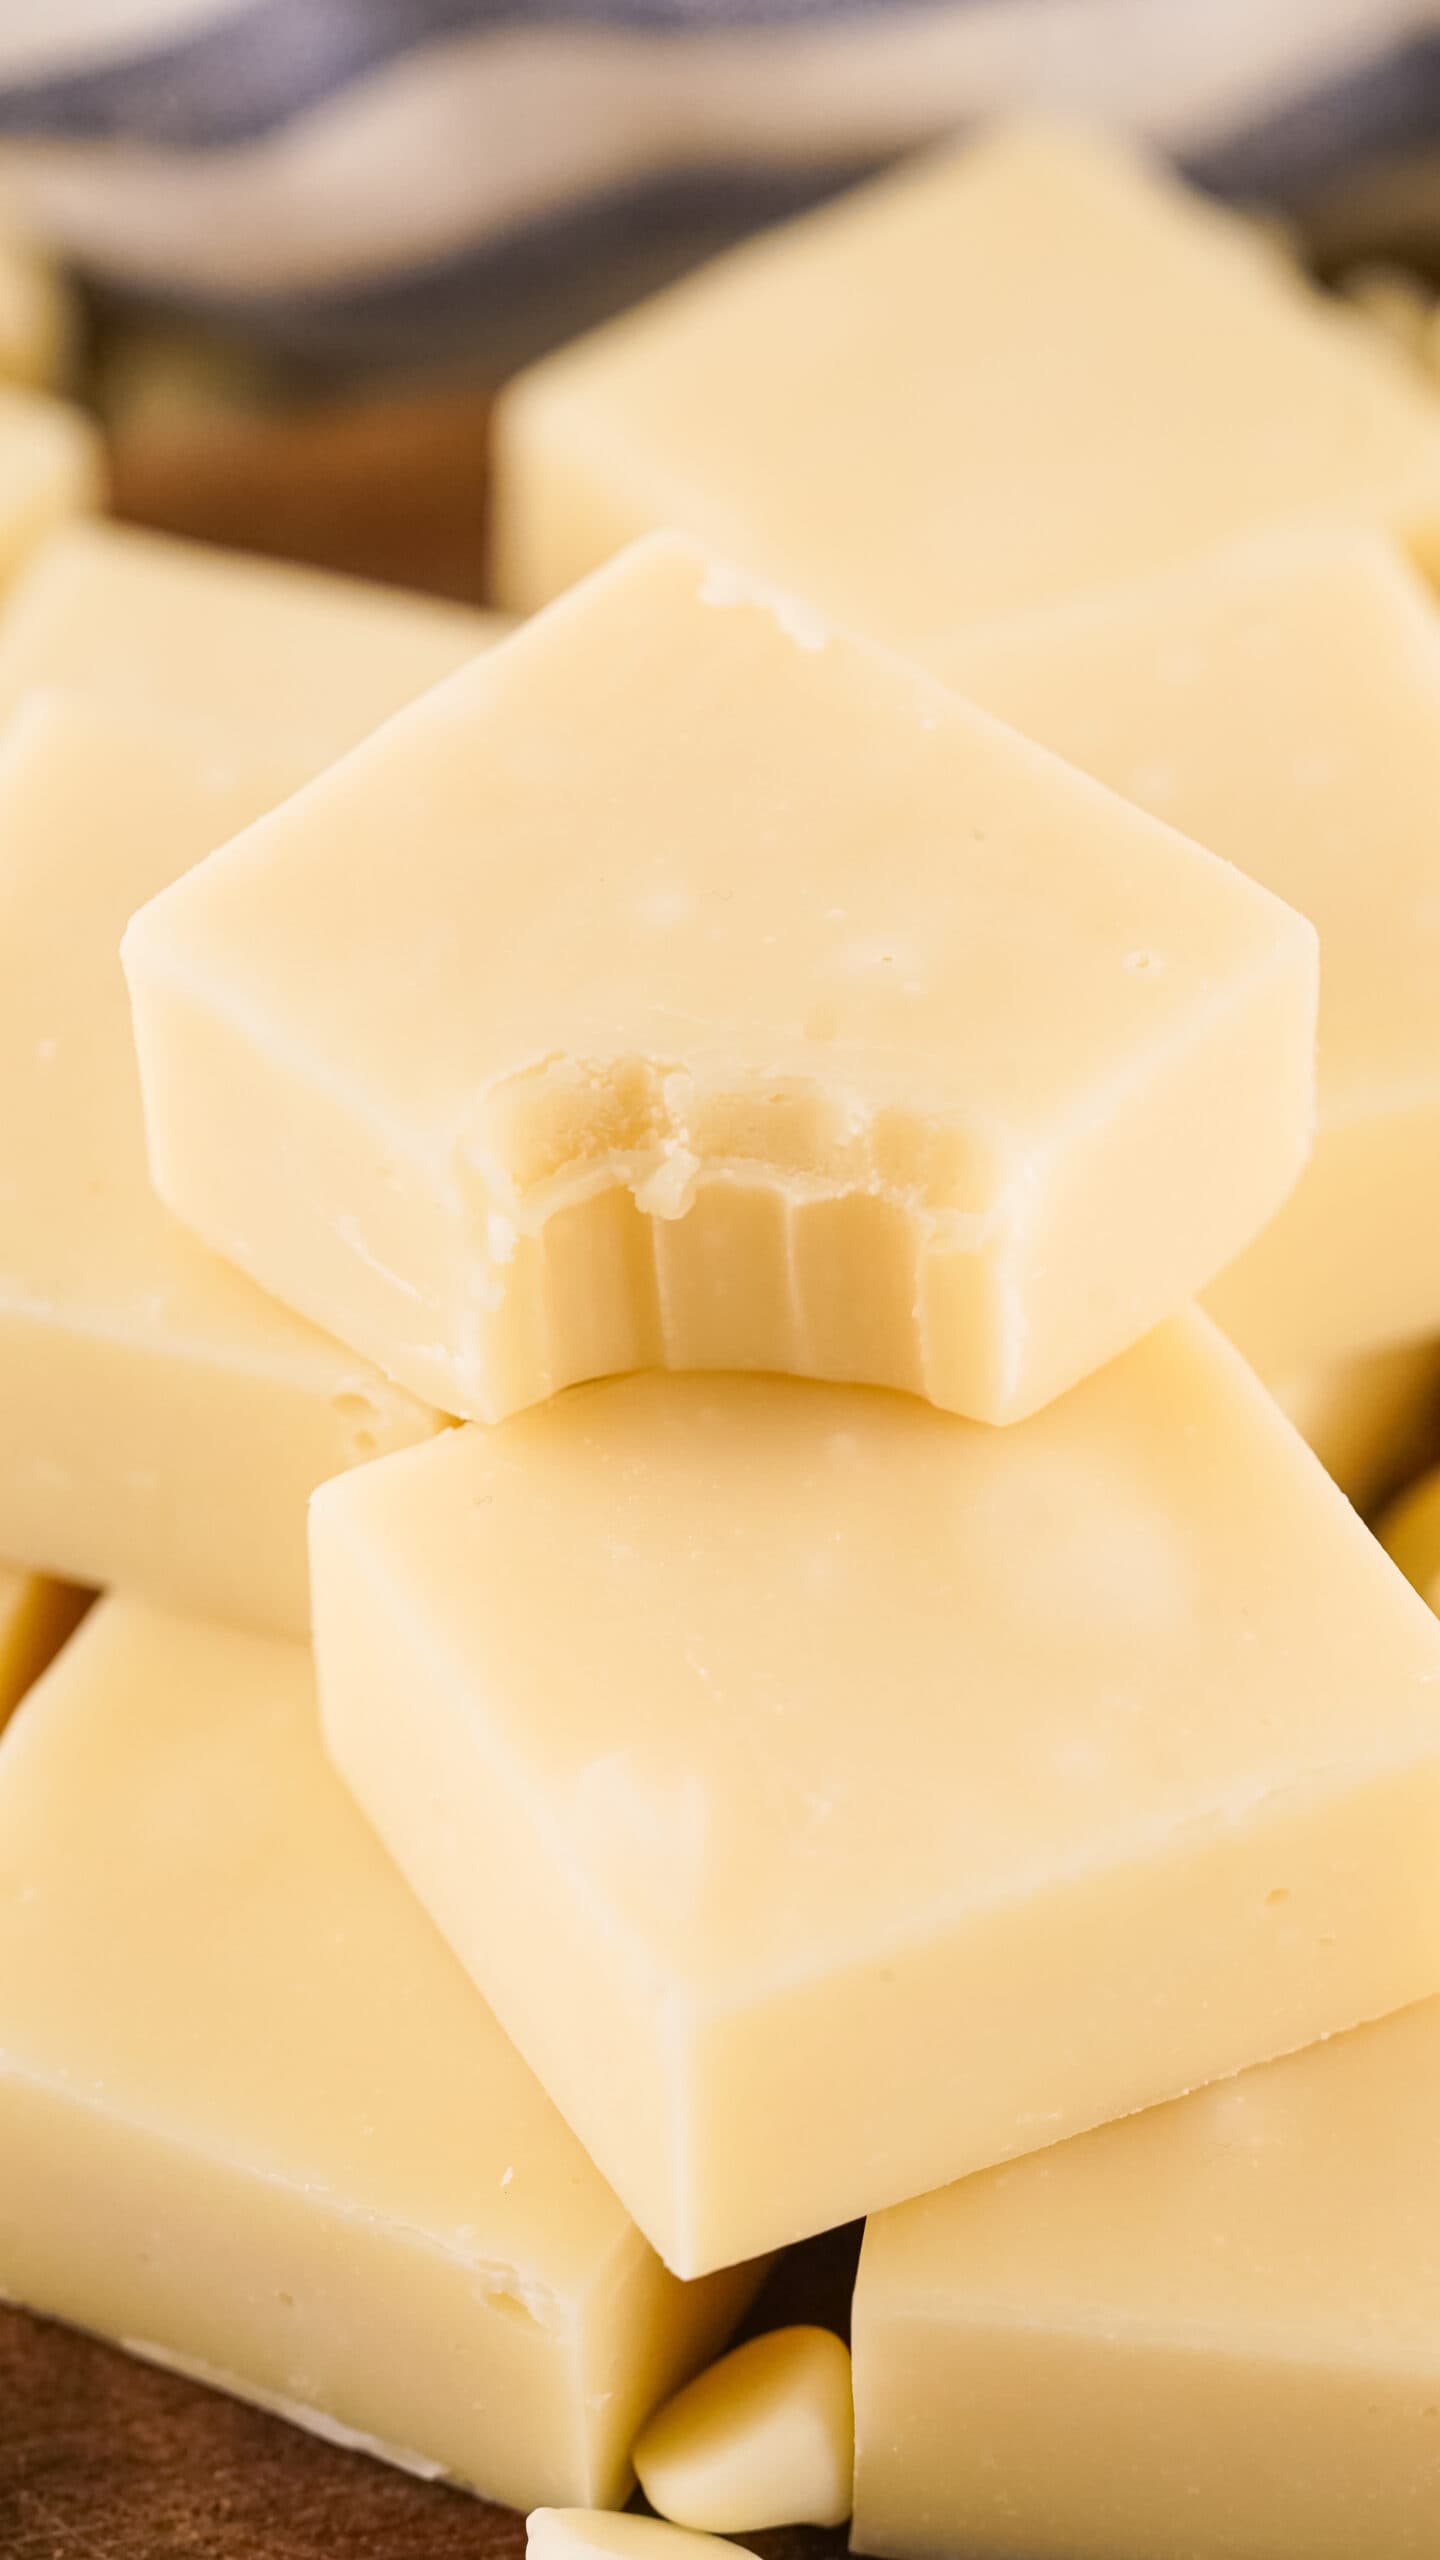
(371,175)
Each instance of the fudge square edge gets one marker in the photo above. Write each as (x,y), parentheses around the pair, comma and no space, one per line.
(833,1797)
(686,984)
(1014,368)
(1223,2310)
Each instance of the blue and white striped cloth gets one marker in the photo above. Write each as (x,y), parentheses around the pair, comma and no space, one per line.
(379,169)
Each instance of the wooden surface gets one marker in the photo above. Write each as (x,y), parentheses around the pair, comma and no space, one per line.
(388,486)
(105,2459)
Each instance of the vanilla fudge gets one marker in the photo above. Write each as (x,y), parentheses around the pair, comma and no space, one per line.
(164,1422)
(833,1796)
(267,651)
(1212,2330)
(1281,702)
(1009,372)
(684,984)
(254,2121)
(36,1616)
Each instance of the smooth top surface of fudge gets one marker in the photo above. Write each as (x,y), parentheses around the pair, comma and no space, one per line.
(678,881)
(1281,703)
(776,1725)
(187,632)
(750,1565)
(200,1933)
(1005,374)
(99,807)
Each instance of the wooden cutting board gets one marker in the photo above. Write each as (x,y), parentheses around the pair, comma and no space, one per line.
(105,2459)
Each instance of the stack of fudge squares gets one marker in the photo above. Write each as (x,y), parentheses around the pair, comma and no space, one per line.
(798,1159)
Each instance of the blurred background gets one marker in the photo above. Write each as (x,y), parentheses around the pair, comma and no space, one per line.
(287,249)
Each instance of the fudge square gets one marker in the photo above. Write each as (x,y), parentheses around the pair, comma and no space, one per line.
(183,631)
(1212,2330)
(685,984)
(254,2121)
(1281,702)
(1010,371)
(833,1796)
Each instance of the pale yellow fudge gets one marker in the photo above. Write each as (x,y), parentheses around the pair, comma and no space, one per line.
(254,2121)
(50,469)
(834,1797)
(1371,1420)
(764,2437)
(164,1422)
(1012,371)
(268,651)
(1281,703)
(36,1616)
(1410,1532)
(1212,2331)
(686,984)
